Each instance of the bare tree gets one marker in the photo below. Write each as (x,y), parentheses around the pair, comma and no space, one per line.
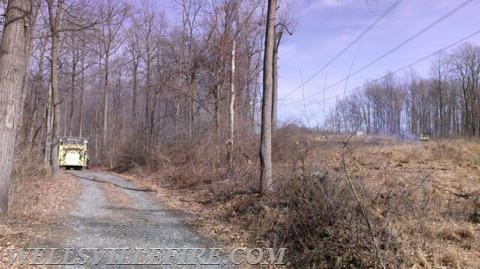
(266,132)
(445,104)
(55,12)
(189,64)
(285,21)
(13,69)
(133,47)
(439,70)
(113,14)
(230,142)
(466,70)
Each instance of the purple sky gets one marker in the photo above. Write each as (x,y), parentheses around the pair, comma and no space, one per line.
(325,27)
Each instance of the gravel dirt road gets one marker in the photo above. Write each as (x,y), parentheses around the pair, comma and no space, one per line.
(138,222)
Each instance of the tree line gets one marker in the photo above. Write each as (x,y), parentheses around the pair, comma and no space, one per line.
(131,79)
(135,78)
(445,104)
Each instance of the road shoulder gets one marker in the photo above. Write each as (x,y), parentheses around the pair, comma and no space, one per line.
(38,211)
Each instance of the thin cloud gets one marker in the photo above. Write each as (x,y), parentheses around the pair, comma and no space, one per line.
(330,3)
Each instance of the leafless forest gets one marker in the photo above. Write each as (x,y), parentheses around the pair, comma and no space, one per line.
(132,82)
(446,104)
(188,108)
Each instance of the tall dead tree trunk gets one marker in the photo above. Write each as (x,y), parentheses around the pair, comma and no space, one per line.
(266,132)
(13,68)
(232,110)
(278,38)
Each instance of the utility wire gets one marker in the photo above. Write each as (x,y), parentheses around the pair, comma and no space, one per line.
(399,69)
(360,36)
(350,70)
(408,40)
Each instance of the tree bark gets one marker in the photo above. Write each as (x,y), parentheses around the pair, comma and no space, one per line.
(82,93)
(13,68)
(232,110)
(55,17)
(278,38)
(105,106)
(135,89)
(266,132)
(73,80)
(47,164)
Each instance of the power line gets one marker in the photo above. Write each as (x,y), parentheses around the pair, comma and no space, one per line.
(350,70)
(360,36)
(428,27)
(401,68)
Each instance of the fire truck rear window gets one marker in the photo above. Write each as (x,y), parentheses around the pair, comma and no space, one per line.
(73,141)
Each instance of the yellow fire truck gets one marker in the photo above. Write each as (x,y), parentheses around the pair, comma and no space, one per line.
(72,153)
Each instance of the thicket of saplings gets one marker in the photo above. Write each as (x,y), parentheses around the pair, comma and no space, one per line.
(27,168)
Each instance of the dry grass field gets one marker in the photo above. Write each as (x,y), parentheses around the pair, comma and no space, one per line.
(342,202)
(425,195)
